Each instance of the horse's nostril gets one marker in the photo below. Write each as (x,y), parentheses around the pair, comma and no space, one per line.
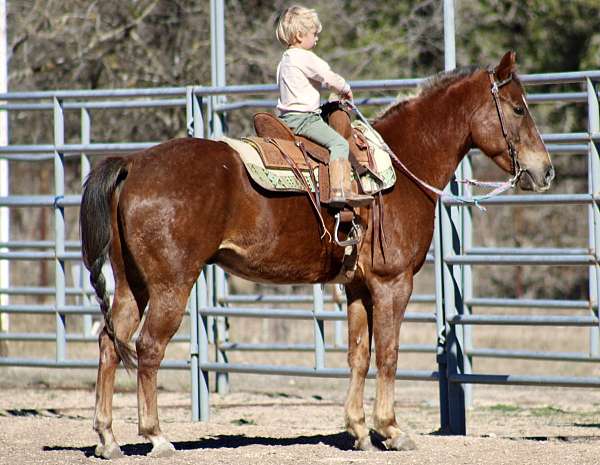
(549,174)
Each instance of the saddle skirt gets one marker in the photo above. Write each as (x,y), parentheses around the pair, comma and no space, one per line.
(275,163)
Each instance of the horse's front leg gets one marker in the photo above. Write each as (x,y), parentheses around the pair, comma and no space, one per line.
(390,297)
(359,354)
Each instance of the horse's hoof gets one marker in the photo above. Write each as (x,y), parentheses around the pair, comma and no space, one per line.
(112,451)
(400,442)
(365,444)
(163,449)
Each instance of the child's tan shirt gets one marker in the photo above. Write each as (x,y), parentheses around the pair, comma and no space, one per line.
(300,75)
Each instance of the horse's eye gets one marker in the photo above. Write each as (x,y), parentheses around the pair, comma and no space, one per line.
(519,110)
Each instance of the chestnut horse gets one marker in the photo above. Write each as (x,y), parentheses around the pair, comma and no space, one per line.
(164,213)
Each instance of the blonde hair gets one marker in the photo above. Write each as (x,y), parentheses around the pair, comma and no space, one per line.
(296,19)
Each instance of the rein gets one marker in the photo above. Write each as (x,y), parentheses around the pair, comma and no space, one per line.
(498,187)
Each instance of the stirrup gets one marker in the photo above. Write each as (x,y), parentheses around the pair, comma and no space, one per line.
(353,235)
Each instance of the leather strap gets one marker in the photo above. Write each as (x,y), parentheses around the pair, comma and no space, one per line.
(495,89)
(300,177)
(311,173)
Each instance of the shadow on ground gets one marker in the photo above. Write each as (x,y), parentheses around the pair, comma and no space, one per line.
(341,441)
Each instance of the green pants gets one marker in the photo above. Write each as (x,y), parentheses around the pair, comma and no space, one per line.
(312,126)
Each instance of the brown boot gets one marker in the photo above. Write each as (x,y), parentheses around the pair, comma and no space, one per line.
(340,182)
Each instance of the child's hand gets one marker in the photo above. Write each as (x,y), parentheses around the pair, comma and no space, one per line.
(347,95)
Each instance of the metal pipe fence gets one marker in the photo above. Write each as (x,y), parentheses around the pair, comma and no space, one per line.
(211,304)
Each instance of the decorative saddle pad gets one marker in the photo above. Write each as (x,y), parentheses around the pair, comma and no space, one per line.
(271,170)
(383,163)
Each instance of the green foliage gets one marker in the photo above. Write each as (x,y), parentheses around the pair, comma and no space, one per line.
(546,411)
(548,35)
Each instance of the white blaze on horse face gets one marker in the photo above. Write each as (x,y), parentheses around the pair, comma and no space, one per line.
(535,161)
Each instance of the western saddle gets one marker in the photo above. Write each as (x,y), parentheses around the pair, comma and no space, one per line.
(281,148)
(275,139)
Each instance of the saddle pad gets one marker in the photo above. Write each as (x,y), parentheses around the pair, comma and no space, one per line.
(383,163)
(283,179)
(272,179)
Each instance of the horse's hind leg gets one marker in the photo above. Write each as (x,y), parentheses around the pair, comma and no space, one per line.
(125,319)
(359,354)
(164,315)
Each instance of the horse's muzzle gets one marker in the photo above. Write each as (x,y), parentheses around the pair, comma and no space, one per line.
(538,180)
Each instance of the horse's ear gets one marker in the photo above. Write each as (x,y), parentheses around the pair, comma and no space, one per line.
(507,66)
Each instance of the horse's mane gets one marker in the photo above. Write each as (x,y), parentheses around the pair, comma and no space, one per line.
(428,87)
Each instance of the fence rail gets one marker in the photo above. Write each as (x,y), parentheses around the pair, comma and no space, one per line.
(211,303)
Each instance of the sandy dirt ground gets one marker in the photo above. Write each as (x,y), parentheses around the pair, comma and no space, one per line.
(299,421)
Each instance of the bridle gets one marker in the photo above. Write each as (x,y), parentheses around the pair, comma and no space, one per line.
(516,169)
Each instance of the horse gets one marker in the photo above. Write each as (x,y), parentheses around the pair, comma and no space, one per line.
(162,214)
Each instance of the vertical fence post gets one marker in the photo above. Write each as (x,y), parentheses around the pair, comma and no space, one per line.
(593,211)
(216,130)
(217,43)
(466,280)
(461,216)
(450,356)
(4,176)
(199,298)
(453,305)
(86,129)
(449,225)
(59,227)
(222,332)
(318,327)
(449,36)
(199,350)
(440,319)
(194,353)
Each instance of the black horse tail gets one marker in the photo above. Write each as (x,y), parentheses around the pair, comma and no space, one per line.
(103,182)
